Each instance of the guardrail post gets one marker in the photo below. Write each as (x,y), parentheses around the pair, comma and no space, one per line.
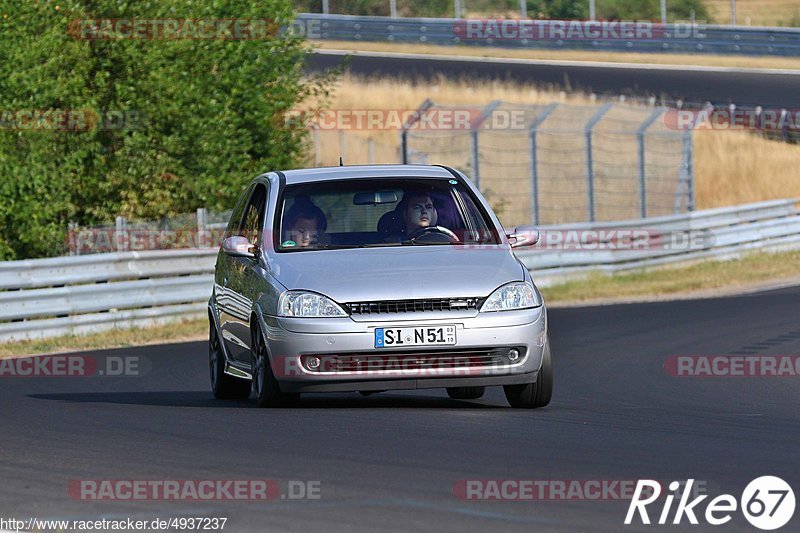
(457,9)
(393,8)
(326,7)
(427,104)
(535,161)
(589,163)
(523,9)
(642,172)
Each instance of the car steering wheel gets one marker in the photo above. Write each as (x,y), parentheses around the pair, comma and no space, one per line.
(434,230)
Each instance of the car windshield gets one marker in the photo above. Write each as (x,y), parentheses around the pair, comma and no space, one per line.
(377,212)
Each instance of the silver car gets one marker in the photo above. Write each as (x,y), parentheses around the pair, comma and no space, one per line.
(374,278)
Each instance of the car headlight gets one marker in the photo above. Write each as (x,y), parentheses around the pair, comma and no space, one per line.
(518,295)
(308,305)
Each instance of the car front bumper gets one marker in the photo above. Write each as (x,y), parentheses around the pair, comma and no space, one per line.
(477,359)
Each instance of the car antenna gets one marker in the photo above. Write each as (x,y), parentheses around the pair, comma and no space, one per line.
(341,162)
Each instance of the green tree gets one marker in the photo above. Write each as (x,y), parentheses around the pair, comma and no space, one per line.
(202,116)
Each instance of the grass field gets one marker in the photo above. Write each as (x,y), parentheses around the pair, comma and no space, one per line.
(571,55)
(731,167)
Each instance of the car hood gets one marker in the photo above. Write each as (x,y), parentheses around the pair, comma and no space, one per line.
(398,273)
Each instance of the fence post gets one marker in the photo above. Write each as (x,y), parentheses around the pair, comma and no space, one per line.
(202,224)
(686,177)
(642,172)
(475,129)
(589,163)
(475,163)
(427,104)
(535,161)
(72,238)
(121,230)
(371,151)
(342,146)
(317,146)
(689,149)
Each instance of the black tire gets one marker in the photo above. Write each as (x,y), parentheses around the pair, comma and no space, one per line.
(538,393)
(265,386)
(466,393)
(223,386)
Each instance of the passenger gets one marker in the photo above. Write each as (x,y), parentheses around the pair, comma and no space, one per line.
(304,224)
(418,211)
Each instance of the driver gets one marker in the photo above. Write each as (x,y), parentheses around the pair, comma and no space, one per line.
(418,211)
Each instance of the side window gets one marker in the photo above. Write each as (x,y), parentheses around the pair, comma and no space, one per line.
(236,216)
(252,226)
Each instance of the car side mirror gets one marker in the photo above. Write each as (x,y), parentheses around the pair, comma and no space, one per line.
(239,247)
(523,236)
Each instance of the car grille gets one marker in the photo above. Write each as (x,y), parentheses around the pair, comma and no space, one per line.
(414,306)
(400,361)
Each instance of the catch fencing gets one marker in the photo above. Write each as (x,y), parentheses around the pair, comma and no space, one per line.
(555,163)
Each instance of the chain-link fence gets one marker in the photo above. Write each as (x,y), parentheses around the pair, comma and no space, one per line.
(548,164)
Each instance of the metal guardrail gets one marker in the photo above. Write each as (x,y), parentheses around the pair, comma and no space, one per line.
(669,38)
(710,234)
(85,294)
(43,298)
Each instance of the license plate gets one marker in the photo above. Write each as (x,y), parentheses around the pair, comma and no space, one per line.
(424,336)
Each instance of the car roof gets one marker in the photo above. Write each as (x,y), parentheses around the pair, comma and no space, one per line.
(364,171)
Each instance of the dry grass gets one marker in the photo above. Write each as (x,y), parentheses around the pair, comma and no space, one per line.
(571,55)
(189,330)
(734,167)
(731,167)
(756,12)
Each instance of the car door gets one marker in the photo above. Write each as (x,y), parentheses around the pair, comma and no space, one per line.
(241,278)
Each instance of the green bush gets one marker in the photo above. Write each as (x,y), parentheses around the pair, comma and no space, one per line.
(210,116)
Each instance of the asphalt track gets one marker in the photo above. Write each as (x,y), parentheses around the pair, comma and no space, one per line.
(389,462)
(697,85)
